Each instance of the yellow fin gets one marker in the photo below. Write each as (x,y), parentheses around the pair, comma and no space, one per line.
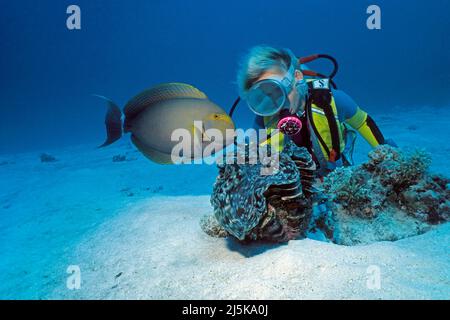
(159,93)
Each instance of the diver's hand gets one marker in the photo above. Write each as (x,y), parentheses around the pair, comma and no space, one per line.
(390,142)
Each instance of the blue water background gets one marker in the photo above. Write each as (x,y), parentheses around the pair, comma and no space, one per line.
(48,73)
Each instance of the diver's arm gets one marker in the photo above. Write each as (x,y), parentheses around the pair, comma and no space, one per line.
(357,118)
(367,127)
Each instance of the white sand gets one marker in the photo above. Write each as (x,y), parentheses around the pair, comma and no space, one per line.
(114,218)
(164,254)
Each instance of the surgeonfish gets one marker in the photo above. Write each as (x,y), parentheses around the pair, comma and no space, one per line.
(153,116)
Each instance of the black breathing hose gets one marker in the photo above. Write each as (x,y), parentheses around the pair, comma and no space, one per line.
(335,63)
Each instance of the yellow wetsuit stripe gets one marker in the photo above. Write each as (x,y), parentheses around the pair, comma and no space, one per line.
(273,133)
(358,119)
(276,140)
(359,122)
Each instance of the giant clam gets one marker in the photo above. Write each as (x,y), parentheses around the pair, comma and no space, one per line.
(276,207)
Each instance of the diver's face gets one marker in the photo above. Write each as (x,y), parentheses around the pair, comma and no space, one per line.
(293,96)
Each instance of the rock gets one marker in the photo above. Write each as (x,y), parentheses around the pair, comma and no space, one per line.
(47,158)
(123,157)
(119,158)
(389,197)
(157,189)
(211,227)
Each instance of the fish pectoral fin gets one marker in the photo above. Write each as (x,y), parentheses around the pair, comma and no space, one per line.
(152,154)
(204,136)
(197,142)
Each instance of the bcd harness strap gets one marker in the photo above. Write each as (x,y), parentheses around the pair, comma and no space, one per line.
(321,96)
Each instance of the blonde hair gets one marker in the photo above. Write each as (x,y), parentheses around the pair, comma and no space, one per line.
(259,60)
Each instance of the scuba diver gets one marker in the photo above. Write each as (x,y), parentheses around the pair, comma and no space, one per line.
(305,106)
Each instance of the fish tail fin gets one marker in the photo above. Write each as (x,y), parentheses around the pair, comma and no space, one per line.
(113,121)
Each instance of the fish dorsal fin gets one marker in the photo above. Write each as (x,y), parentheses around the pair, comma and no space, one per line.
(160,93)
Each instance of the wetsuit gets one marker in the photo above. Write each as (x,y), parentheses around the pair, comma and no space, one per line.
(348,114)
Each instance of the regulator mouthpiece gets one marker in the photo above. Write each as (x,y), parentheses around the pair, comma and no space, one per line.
(290,126)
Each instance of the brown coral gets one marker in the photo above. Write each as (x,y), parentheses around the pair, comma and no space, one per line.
(390,196)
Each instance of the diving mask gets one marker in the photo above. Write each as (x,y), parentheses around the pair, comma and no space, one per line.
(267,97)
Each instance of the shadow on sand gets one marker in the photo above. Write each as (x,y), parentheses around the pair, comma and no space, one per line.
(251,249)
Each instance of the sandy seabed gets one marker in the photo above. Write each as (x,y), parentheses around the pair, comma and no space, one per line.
(133,229)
